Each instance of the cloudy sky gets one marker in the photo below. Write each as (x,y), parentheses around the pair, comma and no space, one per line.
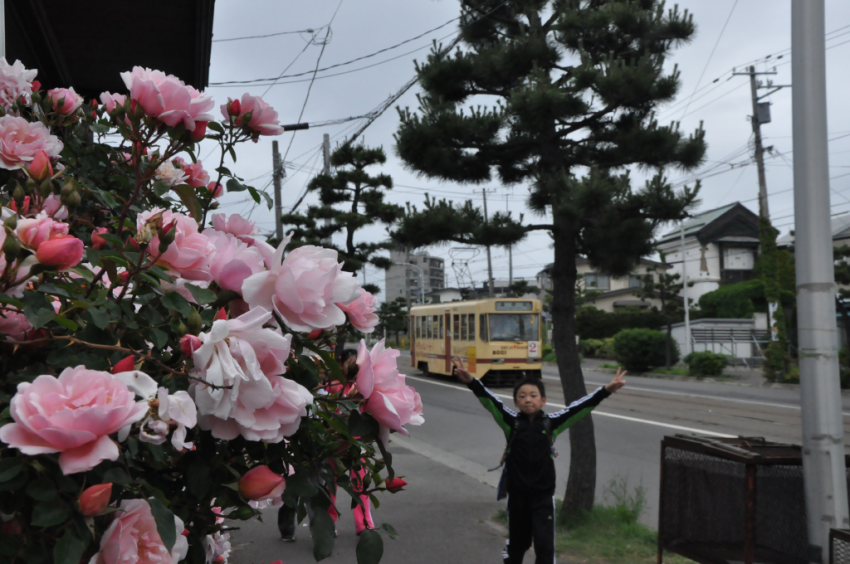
(731,34)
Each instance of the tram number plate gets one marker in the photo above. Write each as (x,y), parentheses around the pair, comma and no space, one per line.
(533,349)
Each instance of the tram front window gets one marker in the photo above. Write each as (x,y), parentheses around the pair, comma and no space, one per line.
(514,327)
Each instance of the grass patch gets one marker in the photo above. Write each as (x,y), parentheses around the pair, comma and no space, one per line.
(672,371)
(550,357)
(611,366)
(610,533)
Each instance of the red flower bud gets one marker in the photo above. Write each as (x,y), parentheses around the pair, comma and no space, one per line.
(394,485)
(216,188)
(189,344)
(96,240)
(234,108)
(12,527)
(95,499)
(221,315)
(315,334)
(40,167)
(124,365)
(63,252)
(36,86)
(133,243)
(200,130)
(261,483)
(122,278)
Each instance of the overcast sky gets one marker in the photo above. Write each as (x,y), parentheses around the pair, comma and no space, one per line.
(738,33)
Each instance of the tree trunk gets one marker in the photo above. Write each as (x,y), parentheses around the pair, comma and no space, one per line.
(581,485)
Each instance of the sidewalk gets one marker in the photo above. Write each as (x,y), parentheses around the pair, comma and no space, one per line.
(442,516)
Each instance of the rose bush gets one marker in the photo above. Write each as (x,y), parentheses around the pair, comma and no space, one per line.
(160,365)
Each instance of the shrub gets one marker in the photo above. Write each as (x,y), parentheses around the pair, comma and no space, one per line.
(606,352)
(739,301)
(592,323)
(547,350)
(706,363)
(641,349)
(843,367)
(591,347)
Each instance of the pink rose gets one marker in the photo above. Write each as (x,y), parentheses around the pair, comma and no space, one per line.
(236,225)
(96,240)
(94,499)
(73,415)
(260,483)
(189,344)
(388,399)
(304,288)
(261,405)
(40,167)
(110,100)
(65,100)
(33,231)
(170,174)
(167,98)
(264,118)
(191,253)
(53,207)
(216,188)
(14,325)
(62,251)
(361,312)
(15,81)
(196,176)
(21,140)
(133,538)
(234,260)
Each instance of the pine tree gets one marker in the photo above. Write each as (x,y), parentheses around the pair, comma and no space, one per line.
(777,360)
(393,317)
(349,200)
(665,288)
(574,86)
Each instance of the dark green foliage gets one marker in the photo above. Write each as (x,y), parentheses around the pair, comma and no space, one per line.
(740,301)
(844,367)
(393,317)
(349,200)
(592,323)
(705,363)
(639,350)
(658,283)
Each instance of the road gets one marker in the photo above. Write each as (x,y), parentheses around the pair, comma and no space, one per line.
(629,426)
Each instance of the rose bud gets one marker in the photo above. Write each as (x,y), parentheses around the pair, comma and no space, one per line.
(136,110)
(96,240)
(63,252)
(73,200)
(124,365)
(216,188)
(133,244)
(220,314)
(11,248)
(95,499)
(12,527)
(234,108)
(11,221)
(189,344)
(261,483)
(123,278)
(18,193)
(40,167)
(166,236)
(315,334)
(36,86)
(394,485)
(200,131)
(45,189)
(194,322)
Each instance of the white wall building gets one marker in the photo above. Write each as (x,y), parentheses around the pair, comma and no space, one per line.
(402,280)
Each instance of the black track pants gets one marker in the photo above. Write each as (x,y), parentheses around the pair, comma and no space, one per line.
(531,517)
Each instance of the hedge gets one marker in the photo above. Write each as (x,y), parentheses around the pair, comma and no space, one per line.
(641,349)
(592,323)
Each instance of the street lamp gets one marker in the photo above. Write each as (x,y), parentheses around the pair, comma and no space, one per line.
(421,280)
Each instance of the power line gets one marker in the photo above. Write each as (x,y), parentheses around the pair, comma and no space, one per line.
(311,31)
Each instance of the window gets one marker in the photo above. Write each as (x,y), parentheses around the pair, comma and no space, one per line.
(463,328)
(427,326)
(635,281)
(456,325)
(471,326)
(514,327)
(595,281)
(442,317)
(418,327)
(482,323)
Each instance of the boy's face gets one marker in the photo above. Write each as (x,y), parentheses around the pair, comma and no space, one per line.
(528,399)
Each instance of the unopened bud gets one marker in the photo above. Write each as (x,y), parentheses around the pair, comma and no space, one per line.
(180,329)
(74,200)
(18,193)
(31,185)
(36,97)
(66,194)
(11,248)
(165,239)
(246,119)
(136,110)
(194,322)
(234,108)
(11,222)
(45,188)
(36,86)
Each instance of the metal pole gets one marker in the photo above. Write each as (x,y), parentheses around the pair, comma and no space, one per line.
(759,150)
(2,28)
(510,254)
(685,290)
(278,206)
(491,290)
(820,395)
(326,152)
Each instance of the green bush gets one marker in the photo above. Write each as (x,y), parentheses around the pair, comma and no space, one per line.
(606,352)
(547,350)
(639,350)
(705,363)
(592,323)
(739,301)
(591,347)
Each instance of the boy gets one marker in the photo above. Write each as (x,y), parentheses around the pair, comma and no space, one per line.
(530,465)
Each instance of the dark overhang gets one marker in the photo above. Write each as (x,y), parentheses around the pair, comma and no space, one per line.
(87,44)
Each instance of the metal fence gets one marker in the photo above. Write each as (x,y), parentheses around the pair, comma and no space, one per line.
(839,546)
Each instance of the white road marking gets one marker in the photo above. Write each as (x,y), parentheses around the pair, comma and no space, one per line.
(596,412)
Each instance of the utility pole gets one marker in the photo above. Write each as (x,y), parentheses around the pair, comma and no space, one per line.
(326,152)
(277,174)
(510,254)
(824,474)
(491,290)
(685,290)
(756,121)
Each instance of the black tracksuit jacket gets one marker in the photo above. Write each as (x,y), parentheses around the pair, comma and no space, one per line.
(530,464)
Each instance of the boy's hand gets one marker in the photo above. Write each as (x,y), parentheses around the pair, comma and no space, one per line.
(461,372)
(617,382)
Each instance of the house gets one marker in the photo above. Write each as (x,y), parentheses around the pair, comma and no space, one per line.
(443,296)
(720,247)
(839,227)
(613,292)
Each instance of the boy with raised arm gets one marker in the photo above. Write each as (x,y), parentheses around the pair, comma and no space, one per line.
(529,459)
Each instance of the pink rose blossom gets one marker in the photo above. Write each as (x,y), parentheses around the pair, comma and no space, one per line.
(96,240)
(361,312)
(264,118)
(234,260)
(260,483)
(110,100)
(133,538)
(33,231)
(170,174)
(236,225)
(191,253)
(261,405)
(74,415)
(216,188)
(217,547)
(196,176)
(54,208)
(62,251)
(65,100)
(15,81)
(20,140)
(168,98)
(388,399)
(304,288)
(14,325)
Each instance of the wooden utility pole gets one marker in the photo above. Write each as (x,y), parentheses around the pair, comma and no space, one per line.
(759,149)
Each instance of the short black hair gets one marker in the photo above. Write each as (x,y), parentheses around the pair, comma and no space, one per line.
(346,354)
(534,382)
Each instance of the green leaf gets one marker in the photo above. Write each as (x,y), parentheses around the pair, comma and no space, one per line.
(69,549)
(361,426)
(201,295)
(233,185)
(116,475)
(99,316)
(67,324)
(160,188)
(6,299)
(42,489)
(198,477)
(190,200)
(299,485)
(93,255)
(115,240)
(370,547)
(48,288)
(176,302)
(390,530)
(215,126)
(158,337)
(164,523)
(38,309)
(49,514)
(322,528)
(10,468)
(87,274)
